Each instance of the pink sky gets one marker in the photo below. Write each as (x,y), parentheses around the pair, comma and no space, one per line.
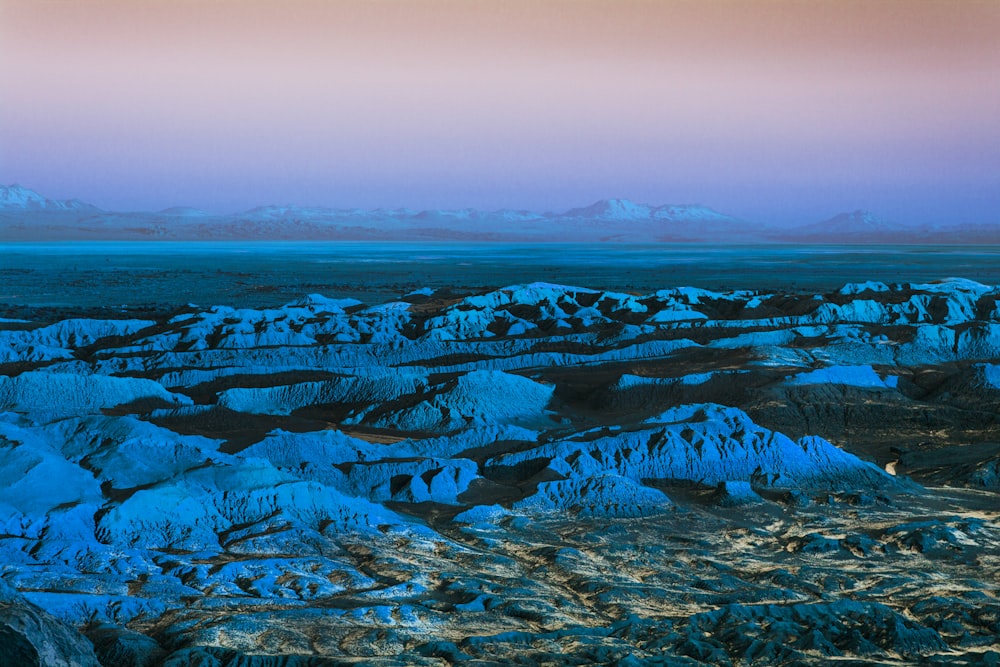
(771,110)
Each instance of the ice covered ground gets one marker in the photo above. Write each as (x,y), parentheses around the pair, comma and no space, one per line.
(538,474)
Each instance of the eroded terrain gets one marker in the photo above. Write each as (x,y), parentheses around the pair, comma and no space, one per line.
(538,474)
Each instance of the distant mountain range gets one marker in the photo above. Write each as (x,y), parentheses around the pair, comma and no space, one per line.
(26,215)
(19,198)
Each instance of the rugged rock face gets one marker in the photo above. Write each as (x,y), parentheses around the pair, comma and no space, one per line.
(31,637)
(124,648)
(534,474)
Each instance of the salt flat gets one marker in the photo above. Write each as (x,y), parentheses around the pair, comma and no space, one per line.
(271,273)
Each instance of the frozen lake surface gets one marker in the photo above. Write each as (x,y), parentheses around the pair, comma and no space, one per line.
(89,274)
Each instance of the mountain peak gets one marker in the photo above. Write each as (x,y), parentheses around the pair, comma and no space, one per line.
(611,209)
(18,197)
(690,212)
(625,209)
(861,220)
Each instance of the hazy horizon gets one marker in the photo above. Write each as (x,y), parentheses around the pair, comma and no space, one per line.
(769,110)
(555,214)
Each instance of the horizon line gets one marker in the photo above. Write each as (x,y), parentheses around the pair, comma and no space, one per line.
(419,210)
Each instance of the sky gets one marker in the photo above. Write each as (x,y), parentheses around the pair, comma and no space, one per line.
(780,111)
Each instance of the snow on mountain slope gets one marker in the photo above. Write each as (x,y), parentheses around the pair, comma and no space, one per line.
(28,215)
(290,222)
(16,197)
(625,210)
(611,209)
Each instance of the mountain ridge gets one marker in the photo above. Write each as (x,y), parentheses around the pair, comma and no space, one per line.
(26,215)
(857,221)
(18,197)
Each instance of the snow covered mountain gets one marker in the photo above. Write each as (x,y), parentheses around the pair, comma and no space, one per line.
(611,209)
(17,197)
(26,215)
(626,210)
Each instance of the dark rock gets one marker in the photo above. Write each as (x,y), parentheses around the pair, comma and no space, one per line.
(119,647)
(31,637)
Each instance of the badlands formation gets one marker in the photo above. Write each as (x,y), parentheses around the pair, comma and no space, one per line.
(539,474)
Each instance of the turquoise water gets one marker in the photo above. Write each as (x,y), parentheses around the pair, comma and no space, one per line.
(89,274)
